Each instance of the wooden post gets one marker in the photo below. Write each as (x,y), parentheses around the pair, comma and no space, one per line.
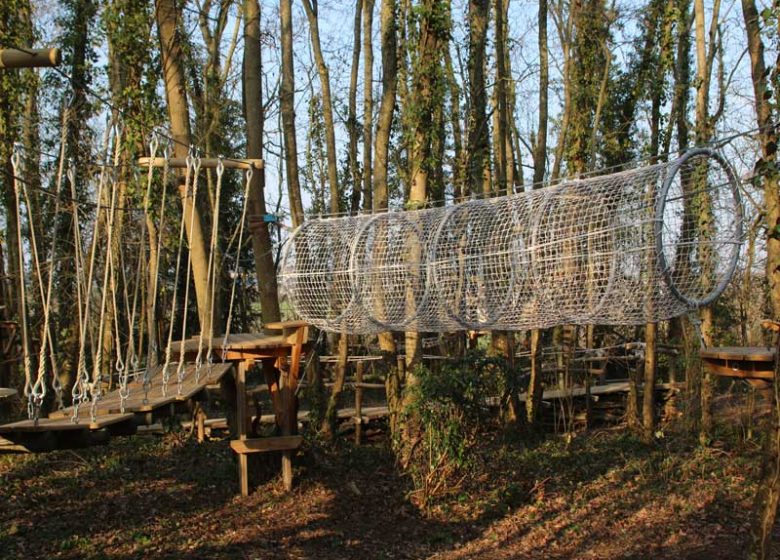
(200,419)
(358,402)
(648,392)
(242,425)
(30,58)
(290,424)
(205,163)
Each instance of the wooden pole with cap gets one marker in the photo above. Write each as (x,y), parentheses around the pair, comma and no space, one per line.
(29,58)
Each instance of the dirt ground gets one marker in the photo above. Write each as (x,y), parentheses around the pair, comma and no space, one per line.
(603,495)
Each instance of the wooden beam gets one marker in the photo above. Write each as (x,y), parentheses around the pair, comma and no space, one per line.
(264,444)
(205,163)
(30,58)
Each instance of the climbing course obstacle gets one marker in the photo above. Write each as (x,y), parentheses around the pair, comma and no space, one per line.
(645,244)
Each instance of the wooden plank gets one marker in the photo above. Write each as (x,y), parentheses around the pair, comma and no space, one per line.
(5,393)
(65,424)
(262,445)
(158,394)
(741,353)
(595,390)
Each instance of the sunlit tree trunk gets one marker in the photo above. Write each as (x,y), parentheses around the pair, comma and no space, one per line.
(168,16)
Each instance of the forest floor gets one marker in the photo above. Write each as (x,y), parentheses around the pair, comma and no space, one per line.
(602,494)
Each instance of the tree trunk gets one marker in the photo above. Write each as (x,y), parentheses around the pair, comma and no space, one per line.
(478,135)
(768,495)
(254,115)
(168,14)
(648,394)
(704,126)
(368,98)
(287,110)
(540,148)
(352,124)
(310,7)
(381,150)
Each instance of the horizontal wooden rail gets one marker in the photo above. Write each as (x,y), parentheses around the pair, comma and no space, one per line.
(30,58)
(205,163)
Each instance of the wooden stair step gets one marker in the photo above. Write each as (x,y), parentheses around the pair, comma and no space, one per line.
(265,444)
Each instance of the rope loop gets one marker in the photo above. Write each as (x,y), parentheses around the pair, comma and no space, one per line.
(16,156)
(153,145)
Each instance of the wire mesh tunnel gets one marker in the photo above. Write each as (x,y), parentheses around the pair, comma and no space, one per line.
(646,244)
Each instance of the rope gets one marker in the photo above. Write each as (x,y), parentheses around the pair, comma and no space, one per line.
(38,391)
(151,355)
(79,393)
(96,389)
(235,271)
(28,389)
(190,163)
(180,366)
(211,277)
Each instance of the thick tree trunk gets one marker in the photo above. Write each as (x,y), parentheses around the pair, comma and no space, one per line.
(768,495)
(168,15)
(262,247)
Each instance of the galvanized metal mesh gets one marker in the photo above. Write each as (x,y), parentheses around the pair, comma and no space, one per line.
(642,245)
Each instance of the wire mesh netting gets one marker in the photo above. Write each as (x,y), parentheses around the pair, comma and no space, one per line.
(646,244)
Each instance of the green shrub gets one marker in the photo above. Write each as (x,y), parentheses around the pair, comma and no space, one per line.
(450,408)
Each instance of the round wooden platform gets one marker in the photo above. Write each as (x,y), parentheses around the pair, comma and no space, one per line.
(753,363)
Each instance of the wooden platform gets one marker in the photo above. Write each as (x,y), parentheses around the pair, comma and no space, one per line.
(244,346)
(65,424)
(5,393)
(753,363)
(140,400)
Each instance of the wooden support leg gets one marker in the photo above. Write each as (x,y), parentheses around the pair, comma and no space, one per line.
(358,402)
(200,419)
(242,426)
(290,425)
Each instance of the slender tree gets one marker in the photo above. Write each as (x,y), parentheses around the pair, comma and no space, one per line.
(254,115)
(287,110)
(311,9)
